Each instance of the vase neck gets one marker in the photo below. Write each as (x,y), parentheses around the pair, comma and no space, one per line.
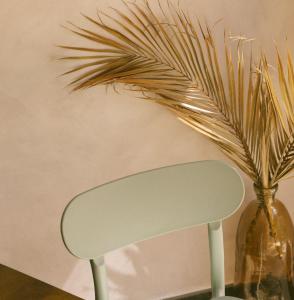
(265,195)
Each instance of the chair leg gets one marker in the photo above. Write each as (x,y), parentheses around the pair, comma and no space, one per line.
(99,277)
(217,268)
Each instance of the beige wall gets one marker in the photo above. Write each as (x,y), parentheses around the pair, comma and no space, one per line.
(54,145)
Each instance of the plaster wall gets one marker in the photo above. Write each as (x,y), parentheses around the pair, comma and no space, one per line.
(54,144)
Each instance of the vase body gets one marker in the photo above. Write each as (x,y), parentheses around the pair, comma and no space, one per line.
(264,250)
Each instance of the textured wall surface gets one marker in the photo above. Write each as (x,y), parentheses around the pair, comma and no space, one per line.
(54,144)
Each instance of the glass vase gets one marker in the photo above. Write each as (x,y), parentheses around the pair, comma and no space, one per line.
(264,249)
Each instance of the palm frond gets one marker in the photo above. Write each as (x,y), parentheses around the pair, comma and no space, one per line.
(175,63)
(283,136)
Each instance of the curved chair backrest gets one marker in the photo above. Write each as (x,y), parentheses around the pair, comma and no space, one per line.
(149,204)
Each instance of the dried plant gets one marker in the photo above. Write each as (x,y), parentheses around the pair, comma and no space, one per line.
(176,64)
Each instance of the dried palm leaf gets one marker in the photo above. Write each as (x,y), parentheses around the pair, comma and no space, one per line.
(175,63)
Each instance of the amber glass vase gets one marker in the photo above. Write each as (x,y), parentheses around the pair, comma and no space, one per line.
(264,250)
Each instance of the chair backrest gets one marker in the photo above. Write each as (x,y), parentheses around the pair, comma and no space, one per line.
(149,204)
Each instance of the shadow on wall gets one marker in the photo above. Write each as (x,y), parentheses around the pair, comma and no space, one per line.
(167,266)
(154,269)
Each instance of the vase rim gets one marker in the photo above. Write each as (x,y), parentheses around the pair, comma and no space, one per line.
(265,194)
(260,187)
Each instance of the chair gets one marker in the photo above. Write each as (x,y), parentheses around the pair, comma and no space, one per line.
(149,204)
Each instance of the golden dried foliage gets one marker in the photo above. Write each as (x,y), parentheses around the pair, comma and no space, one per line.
(176,63)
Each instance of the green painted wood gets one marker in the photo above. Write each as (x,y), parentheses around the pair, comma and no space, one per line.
(148,204)
(217,265)
(99,278)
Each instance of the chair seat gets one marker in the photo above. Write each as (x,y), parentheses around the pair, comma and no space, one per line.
(226,298)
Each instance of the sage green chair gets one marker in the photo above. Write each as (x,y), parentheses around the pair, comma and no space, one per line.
(149,204)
